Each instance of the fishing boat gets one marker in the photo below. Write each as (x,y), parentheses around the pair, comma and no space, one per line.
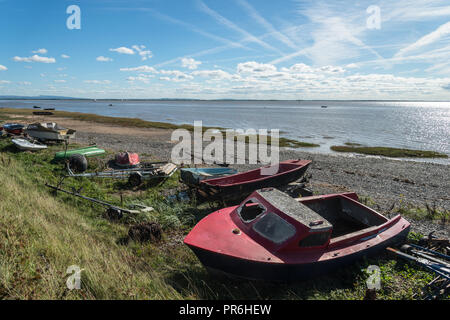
(87,152)
(271,236)
(240,185)
(26,145)
(43,113)
(13,128)
(193,176)
(49,131)
(127,159)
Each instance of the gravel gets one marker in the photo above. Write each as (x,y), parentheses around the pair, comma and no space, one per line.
(387,182)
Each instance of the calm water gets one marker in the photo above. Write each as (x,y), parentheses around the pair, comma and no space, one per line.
(414,125)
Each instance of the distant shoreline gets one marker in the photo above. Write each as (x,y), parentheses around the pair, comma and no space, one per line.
(192,99)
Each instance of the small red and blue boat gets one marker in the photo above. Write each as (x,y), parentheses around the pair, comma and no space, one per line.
(272,236)
(240,185)
(13,128)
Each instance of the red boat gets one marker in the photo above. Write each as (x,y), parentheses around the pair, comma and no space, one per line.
(274,237)
(240,185)
(13,128)
(127,159)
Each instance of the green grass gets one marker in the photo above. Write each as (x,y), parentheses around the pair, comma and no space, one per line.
(389,152)
(42,234)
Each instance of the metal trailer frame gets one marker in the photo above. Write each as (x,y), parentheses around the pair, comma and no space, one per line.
(134,175)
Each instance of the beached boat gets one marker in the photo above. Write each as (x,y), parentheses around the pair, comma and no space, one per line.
(87,152)
(42,113)
(240,185)
(193,176)
(127,159)
(274,237)
(49,131)
(13,128)
(26,145)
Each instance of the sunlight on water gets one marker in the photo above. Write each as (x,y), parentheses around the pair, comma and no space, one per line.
(401,124)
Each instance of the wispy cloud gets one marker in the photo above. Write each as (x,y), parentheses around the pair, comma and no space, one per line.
(122,50)
(3,68)
(104,59)
(227,23)
(268,26)
(432,37)
(190,63)
(40,51)
(34,58)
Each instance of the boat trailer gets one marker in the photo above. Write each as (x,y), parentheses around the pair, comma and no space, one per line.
(432,260)
(135,176)
(113,212)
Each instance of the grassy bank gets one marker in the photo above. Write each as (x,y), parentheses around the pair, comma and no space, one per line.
(388,152)
(139,123)
(41,235)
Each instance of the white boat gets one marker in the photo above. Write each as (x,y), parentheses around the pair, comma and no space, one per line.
(23,144)
(49,131)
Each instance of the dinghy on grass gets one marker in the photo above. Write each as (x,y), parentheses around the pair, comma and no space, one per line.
(49,131)
(193,176)
(26,145)
(272,236)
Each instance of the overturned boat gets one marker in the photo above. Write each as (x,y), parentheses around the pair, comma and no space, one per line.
(240,185)
(26,145)
(13,128)
(49,131)
(274,237)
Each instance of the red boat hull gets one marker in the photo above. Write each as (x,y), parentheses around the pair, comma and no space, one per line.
(218,247)
(240,185)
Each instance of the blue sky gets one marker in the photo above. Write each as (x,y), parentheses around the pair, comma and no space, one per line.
(242,49)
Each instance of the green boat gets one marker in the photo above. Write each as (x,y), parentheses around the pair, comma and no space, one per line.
(87,152)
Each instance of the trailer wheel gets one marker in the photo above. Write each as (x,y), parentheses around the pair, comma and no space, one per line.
(135,179)
(78,163)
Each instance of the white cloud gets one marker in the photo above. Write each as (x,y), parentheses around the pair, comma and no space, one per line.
(4,81)
(177,76)
(213,74)
(255,67)
(40,51)
(144,68)
(34,58)
(60,81)
(24,83)
(123,50)
(97,81)
(65,56)
(145,54)
(436,35)
(3,68)
(104,59)
(190,63)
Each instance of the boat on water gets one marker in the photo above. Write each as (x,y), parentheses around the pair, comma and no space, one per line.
(271,236)
(26,145)
(43,113)
(193,176)
(324,107)
(240,185)
(13,128)
(87,152)
(49,131)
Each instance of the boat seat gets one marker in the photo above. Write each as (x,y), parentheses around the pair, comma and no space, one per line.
(294,209)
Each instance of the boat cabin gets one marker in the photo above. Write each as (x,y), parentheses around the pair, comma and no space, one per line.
(279,222)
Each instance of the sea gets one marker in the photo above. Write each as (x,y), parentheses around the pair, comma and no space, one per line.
(422,125)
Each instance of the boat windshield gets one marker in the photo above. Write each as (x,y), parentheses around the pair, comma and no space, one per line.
(274,228)
(250,210)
